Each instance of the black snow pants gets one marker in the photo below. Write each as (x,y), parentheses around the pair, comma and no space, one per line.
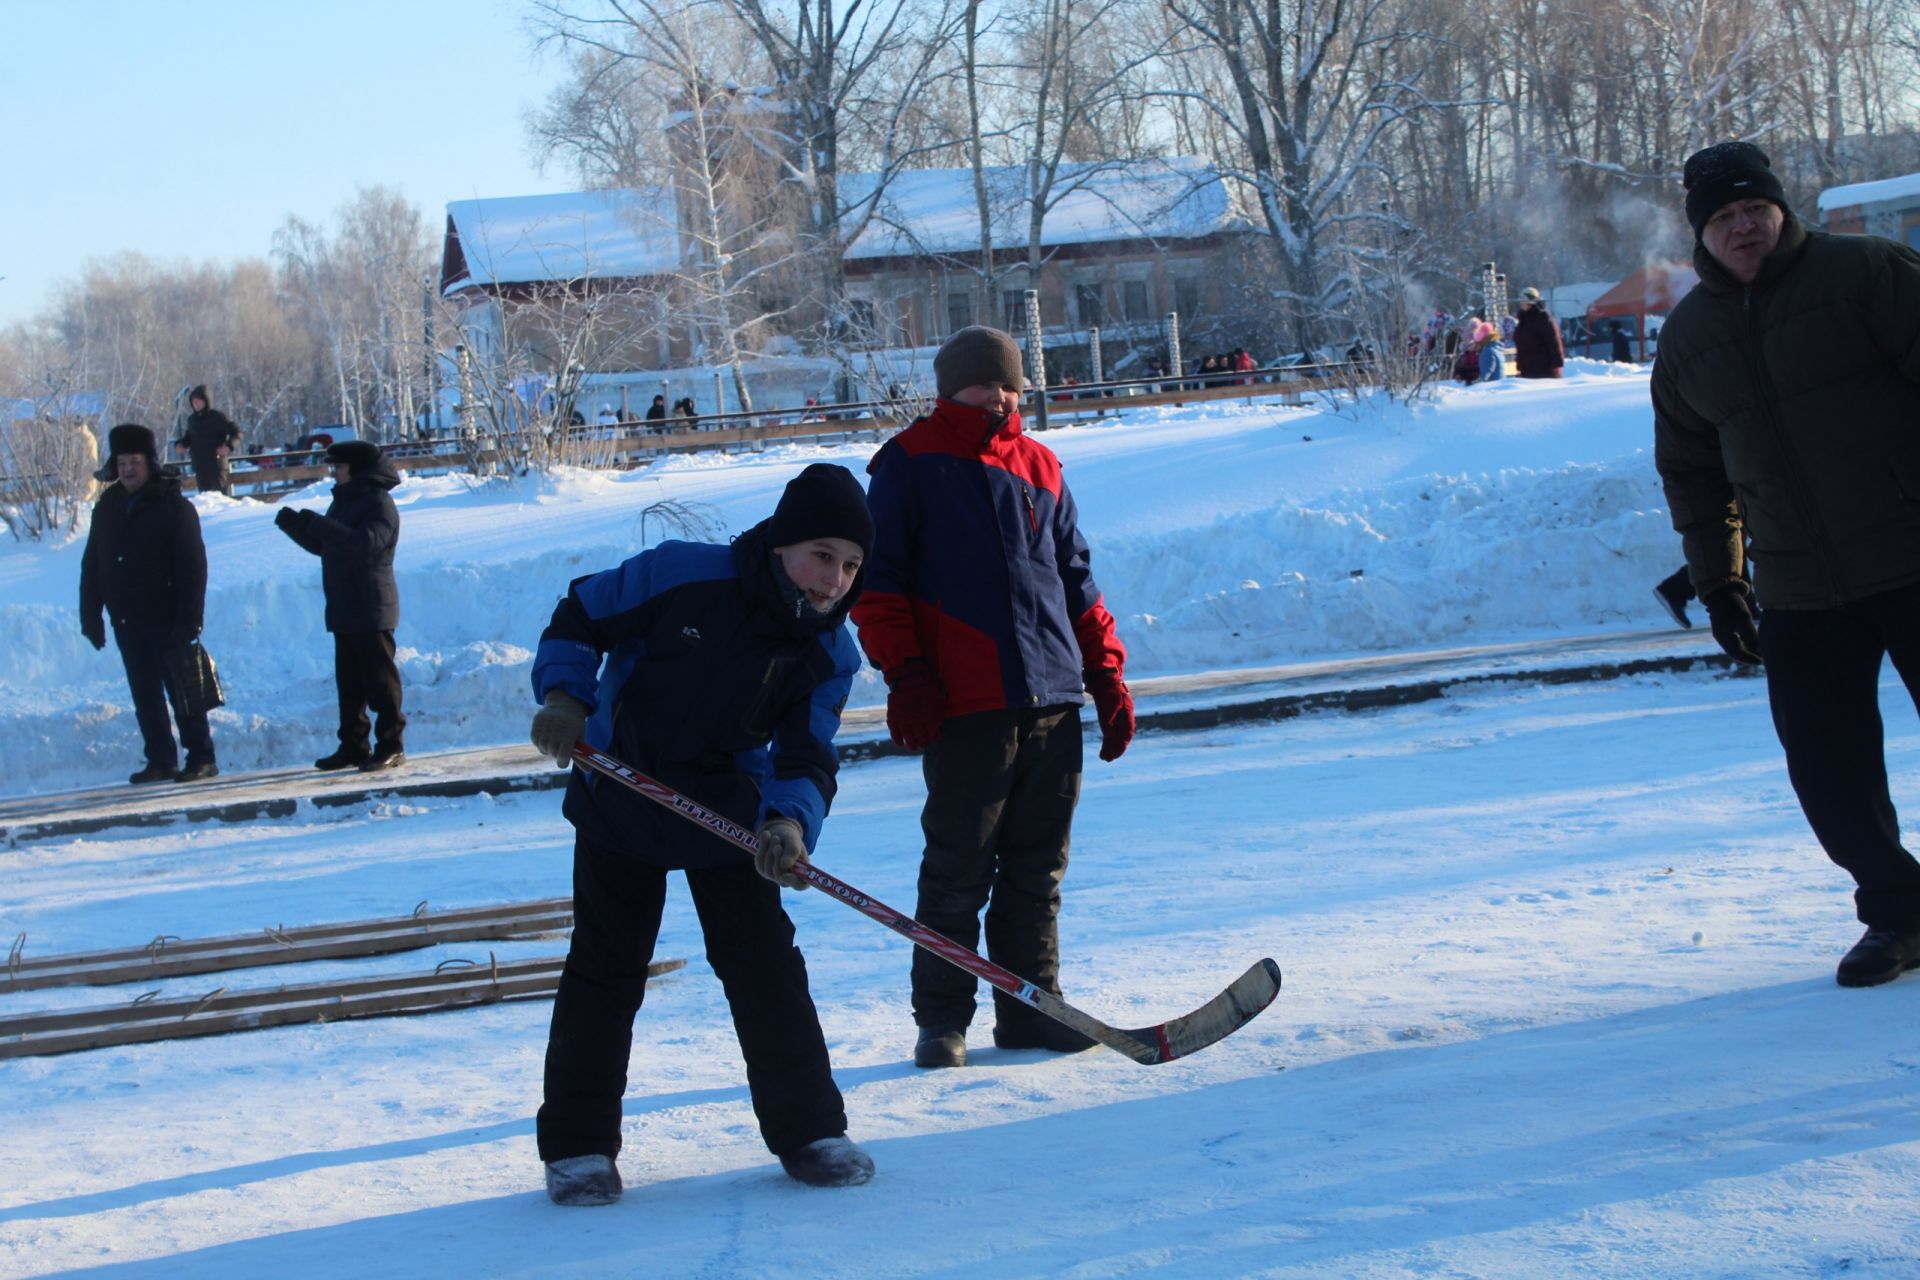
(1823,681)
(617,902)
(1001,788)
(366,678)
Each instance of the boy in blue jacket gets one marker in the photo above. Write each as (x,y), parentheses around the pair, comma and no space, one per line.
(721,671)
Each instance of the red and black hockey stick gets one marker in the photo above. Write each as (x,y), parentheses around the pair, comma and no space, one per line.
(1218,1018)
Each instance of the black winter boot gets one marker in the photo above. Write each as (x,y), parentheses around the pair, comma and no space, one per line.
(343,759)
(1042,1033)
(154,773)
(1674,592)
(941,1047)
(1880,956)
(583,1180)
(383,759)
(830,1162)
(197,771)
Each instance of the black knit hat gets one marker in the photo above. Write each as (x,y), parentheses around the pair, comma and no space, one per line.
(129,437)
(974,356)
(358,454)
(1725,172)
(823,501)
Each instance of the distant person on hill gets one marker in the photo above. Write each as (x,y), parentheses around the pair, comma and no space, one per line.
(355,541)
(209,437)
(657,411)
(1537,349)
(984,618)
(1786,394)
(722,671)
(145,565)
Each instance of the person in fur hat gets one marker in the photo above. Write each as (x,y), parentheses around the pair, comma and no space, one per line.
(145,569)
(355,541)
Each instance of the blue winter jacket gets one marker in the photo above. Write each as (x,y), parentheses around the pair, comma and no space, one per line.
(704,671)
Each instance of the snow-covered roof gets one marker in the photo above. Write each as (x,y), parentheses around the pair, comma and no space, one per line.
(930,211)
(572,236)
(1904,187)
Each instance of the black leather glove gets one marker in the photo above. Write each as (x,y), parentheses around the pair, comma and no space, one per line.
(283,519)
(1732,619)
(181,637)
(95,633)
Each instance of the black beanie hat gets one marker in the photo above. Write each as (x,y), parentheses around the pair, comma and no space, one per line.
(976,355)
(823,501)
(358,454)
(1725,172)
(129,437)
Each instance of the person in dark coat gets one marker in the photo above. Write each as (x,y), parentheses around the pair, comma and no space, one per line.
(1786,393)
(721,671)
(1622,348)
(657,411)
(1537,349)
(145,564)
(209,438)
(984,618)
(355,541)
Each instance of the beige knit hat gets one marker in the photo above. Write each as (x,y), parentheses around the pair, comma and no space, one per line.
(976,355)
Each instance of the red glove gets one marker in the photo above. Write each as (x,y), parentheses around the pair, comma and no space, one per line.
(916,704)
(1115,707)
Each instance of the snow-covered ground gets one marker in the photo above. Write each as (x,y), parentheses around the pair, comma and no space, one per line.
(1558,960)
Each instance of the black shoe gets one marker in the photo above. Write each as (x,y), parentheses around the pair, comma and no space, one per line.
(381,761)
(198,771)
(154,773)
(941,1047)
(344,759)
(583,1180)
(830,1162)
(1880,956)
(1674,597)
(1052,1036)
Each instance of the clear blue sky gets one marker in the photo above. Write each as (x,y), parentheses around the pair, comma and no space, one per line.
(189,129)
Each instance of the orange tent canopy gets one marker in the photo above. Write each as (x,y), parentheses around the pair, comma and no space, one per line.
(1652,290)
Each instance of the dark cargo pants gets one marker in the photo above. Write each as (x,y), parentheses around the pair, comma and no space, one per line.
(617,902)
(1823,682)
(1001,788)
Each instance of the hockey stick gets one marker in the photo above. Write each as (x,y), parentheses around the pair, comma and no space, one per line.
(1218,1018)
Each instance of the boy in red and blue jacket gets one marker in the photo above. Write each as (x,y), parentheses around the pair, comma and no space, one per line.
(981,611)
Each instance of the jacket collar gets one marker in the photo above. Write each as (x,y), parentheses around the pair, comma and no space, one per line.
(965,428)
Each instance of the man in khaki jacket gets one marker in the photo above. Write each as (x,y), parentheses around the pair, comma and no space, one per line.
(1786,404)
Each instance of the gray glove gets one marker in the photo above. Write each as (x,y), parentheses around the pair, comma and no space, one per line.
(782,844)
(558,724)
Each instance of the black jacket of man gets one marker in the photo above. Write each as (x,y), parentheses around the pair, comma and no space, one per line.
(144,562)
(1789,408)
(355,541)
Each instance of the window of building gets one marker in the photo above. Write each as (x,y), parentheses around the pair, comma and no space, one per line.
(1133,296)
(1013,310)
(860,316)
(959,311)
(1092,301)
(1186,298)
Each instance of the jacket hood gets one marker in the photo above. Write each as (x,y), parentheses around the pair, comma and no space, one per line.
(379,474)
(201,392)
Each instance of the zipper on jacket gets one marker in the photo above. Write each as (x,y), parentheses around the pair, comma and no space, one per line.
(1796,481)
(1033,516)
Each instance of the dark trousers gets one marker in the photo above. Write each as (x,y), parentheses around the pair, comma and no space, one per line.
(366,677)
(143,649)
(210,474)
(617,900)
(1823,677)
(1001,787)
